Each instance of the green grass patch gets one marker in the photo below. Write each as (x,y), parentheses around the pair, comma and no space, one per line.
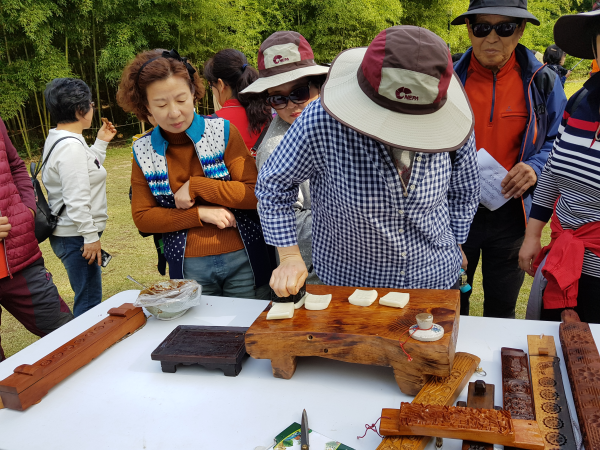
(132,254)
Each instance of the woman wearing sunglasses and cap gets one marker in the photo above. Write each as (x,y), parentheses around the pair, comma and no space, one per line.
(290,80)
(568,190)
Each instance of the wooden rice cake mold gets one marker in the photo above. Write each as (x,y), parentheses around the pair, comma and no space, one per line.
(30,383)
(454,422)
(437,390)
(516,384)
(551,407)
(481,395)
(583,366)
(212,347)
(362,334)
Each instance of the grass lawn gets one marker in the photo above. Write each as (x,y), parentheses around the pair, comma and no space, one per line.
(135,256)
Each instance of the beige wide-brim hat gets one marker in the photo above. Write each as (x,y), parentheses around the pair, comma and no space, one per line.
(446,129)
(262,84)
(283,57)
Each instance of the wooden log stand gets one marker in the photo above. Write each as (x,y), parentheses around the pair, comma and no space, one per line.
(454,422)
(365,335)
(437,391)
(211,347)
(30,383)
(551,407)
(583,366)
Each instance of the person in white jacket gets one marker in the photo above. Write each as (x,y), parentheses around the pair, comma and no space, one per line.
(76,183)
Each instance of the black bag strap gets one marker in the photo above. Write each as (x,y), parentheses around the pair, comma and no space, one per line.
(260,138)
(38,167)
(580,97)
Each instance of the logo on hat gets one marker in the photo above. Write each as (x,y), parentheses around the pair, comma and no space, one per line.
(404,93)
(279,59)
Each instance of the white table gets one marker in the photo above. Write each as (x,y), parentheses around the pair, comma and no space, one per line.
(122,400)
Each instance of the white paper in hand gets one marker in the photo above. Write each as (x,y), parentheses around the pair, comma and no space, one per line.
(491,174)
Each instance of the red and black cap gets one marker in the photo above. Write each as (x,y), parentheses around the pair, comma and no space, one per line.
(402,91)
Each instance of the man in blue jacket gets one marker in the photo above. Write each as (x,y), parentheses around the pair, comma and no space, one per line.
(518,105)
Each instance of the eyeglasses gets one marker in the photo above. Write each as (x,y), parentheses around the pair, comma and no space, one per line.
(298,96)
(482,30)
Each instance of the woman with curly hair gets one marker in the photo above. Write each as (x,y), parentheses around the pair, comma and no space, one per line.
(193,181)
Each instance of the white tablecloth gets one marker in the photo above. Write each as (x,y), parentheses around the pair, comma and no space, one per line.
(122,399)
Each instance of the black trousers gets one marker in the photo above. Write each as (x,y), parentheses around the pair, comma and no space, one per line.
(496,237)
(588,302)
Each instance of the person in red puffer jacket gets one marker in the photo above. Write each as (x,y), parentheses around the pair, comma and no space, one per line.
(26,287)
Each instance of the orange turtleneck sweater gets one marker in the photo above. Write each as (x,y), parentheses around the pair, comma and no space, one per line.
(203,238)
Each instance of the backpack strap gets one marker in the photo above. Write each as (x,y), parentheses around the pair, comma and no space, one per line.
(580,97)
(38,167)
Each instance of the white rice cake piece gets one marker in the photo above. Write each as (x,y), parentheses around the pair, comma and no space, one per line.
(363,298)
(300,302)
(395,299)
(281,311)
(317,302)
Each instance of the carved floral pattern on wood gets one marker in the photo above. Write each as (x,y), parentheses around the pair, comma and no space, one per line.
(550,402)
(454,417)
(437,391)
(583,366)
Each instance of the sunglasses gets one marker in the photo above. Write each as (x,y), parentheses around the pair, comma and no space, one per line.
(298,96)
(481,30)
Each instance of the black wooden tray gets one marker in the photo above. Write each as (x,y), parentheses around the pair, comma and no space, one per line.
(212,347)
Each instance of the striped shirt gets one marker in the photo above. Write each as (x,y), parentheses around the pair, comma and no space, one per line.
(367,230)
(572,173)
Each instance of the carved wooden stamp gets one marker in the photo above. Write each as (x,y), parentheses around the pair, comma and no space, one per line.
(30,383)
(541,345)
(583,366)
(212,347)
(551,408)
(481,395)
(485,425)
(516,384)
(365,335)
(437,391)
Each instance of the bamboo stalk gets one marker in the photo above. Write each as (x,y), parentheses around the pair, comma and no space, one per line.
(99,109)
(6,44)
(67,49)
(22,126)
(46,112)
(37,104)
(80,65)
(109,104)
